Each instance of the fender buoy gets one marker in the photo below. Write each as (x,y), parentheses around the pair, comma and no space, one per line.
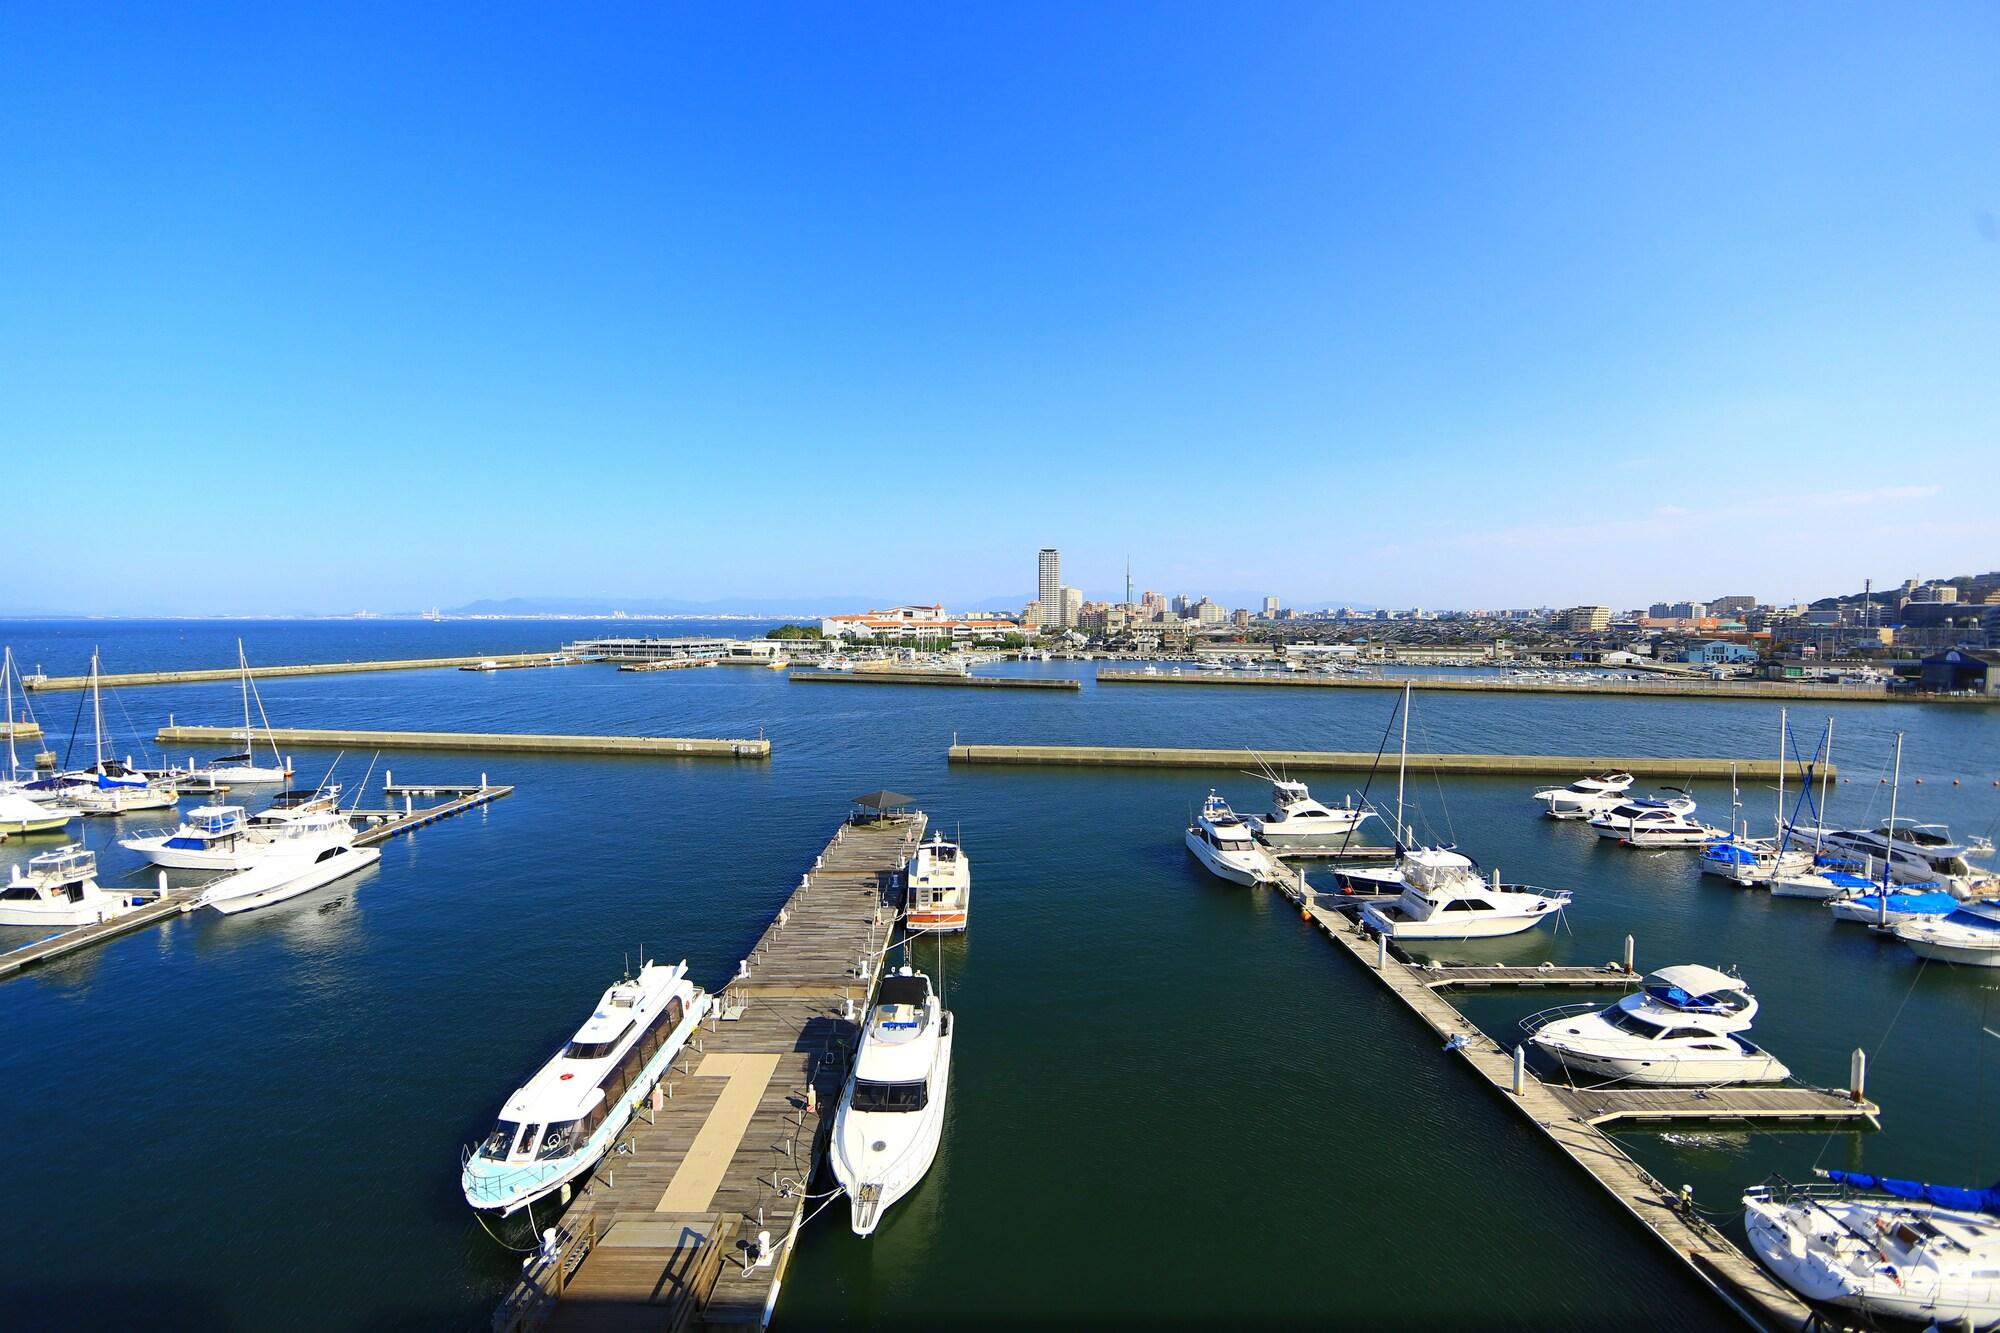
(1305,914)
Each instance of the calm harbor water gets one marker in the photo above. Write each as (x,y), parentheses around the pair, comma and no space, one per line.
(1173,1102)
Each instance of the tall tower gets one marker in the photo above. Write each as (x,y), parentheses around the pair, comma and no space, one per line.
(1128,580)
(1048,587)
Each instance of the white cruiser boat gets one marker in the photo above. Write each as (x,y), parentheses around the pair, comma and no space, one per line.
(1221,841)
(20,814)
(1752,861)
(1826,878)
(939,883)
(60,889)
(1685,1028)
(284,875)
(1654,822)
(212,837)
(1584,797)
(1925,1253)
(1918,852)
(1970,935)
(1443,897)
(562,1121)
(1297,820)
(891,1116)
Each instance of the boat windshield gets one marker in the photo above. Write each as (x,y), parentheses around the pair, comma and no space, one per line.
(1626,1021)
(557,1140)
(500,1141)
(871,1096)
(595,1050)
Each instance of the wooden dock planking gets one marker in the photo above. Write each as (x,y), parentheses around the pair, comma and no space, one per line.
(1711,1256)
(1480,976)
(669,1224)
(1602,1106)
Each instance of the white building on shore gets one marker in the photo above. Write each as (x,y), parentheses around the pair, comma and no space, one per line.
(908,624)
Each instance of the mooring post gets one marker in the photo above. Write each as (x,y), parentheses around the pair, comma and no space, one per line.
(1857,1074)
(1496,879)
(1381,953)
(1520,1070)
(388,779)
(1628,955)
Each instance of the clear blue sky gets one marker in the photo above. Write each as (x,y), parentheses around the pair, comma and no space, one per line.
(1434,304)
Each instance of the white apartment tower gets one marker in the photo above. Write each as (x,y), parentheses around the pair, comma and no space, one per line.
(1048,588)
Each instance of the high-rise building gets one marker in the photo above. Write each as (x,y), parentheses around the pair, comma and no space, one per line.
(1587,619)
(1072,607)
(1271,608)
(1048,588)
(1210,613)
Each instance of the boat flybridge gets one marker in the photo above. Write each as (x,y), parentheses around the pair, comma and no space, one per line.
(1901,1248)
(1443,897)
(1685,1028)
(60,889)
(1969,935)
(891,1116)
(1220,840)
(561,1122)
(939,884)
(1652,821)
(1297,820)
(1584,797)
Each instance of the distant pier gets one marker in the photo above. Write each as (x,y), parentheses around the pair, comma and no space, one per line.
(939,678)
(1561,766)
(663,746)
(21,731)
(1581,687)
(110,681)
(691,1221)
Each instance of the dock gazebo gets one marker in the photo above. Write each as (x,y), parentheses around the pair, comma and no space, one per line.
(879,806)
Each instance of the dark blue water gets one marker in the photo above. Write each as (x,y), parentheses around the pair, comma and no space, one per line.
(1173,1102)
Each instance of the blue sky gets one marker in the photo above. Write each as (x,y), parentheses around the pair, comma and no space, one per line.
(1449,305)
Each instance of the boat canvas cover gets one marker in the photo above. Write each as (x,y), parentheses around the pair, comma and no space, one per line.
(1954,1197)
(1939,903)
(1690,985)
(912,991)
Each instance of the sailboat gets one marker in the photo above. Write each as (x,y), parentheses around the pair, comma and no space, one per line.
(20,813)
(109,787)
(243,768)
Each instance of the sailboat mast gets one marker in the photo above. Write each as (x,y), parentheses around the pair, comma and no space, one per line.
(1889,842)
(97,714)
(7,703)
(243,666)
(1783,730)
(1825,790)
(1403,764)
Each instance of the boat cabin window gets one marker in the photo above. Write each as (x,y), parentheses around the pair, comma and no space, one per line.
(556,1141)
(1632,1023)
(500,1141)
(527,1141)
(1468,905)
(595,1050)
(869,1096)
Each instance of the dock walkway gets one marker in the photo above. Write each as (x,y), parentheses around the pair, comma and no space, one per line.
(667,1231)
(1570,1119)
(707,747)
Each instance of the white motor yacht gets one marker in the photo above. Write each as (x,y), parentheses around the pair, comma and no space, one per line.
(1926,1253)
(21,814)
(891,1116)
(1443,897)
(1970,935)
(562,1121)
(1654,822)
(211,837)
(1584,797)
(1297,820)
(1221,841)
(1685,1028)
(284,875)
(1920,852)
(60,889)
(939,884)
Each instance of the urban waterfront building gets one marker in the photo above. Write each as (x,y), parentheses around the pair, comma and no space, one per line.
(1048,588)
(917,624)
(1587,619)
(1072,607)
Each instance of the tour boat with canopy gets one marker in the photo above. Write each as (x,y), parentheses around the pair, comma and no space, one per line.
(939,884)
(1220,840)
(1584,797)
(891,1116)
(61,889)
(1685,1028)
(563,1120)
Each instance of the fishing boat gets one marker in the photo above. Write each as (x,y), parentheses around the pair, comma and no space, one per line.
(1650,821)
(563,1120)
(1220,840)
(1685,1028)
(1443,897)
(1969,935)
(284,875)
(61,889)
(1885,1247)
(1297,820)
(1584,797)
(210,837)
(939,885)
(891,1116)
(243,769)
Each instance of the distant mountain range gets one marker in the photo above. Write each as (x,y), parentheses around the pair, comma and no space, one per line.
(666,606)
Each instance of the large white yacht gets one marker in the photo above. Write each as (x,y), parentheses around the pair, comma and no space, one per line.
(939,884)
(560,1122)
(210,837)
(891,1116)
(1921,852)
(1904,1249)
(1297,820)
(1684,1028)
(1584,797)
(1654,822)
(60,889)
(1443,897)
(1970,935)
(283,875)
(1221,841)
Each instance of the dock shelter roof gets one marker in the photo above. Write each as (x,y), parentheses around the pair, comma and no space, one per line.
(884,800)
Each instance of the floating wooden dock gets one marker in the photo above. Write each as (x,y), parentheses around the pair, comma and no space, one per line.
(1570,1118)
(667,1232)
(173,902)
(195,676)
(1555,766)
(1679,689)
(665,746)
(522,664)
(950,678)
(672,664)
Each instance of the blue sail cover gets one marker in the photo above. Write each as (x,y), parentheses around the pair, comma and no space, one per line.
(1944,1196)
(1938,903)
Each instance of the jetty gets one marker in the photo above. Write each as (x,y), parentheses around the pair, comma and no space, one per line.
(693,1216)
(197,675)
(1561,766)
(1582,687)
(671,746)
(950,678)
(1571,1119)
(169,903)
(21,731)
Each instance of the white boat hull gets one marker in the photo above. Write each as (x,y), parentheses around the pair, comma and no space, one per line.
(872,1192)
(279,881)
(1967,955)
(43,823)
(1484,926)
(86,913)
(1818,1271)
(1673,1072)
(1247,869)
(236,775)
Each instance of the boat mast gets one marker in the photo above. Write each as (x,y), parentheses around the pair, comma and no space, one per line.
(1825,791)
(1889,842)
(1783,730)
(7,703)
(1402,765)
(243,665)
(97,701)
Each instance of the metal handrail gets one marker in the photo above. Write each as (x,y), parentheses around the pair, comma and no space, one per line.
(1537,1021)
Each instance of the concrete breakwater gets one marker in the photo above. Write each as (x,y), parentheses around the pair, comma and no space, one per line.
(663,746)
(306,669)
(1560,766)
(1579,688)
(939,678)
